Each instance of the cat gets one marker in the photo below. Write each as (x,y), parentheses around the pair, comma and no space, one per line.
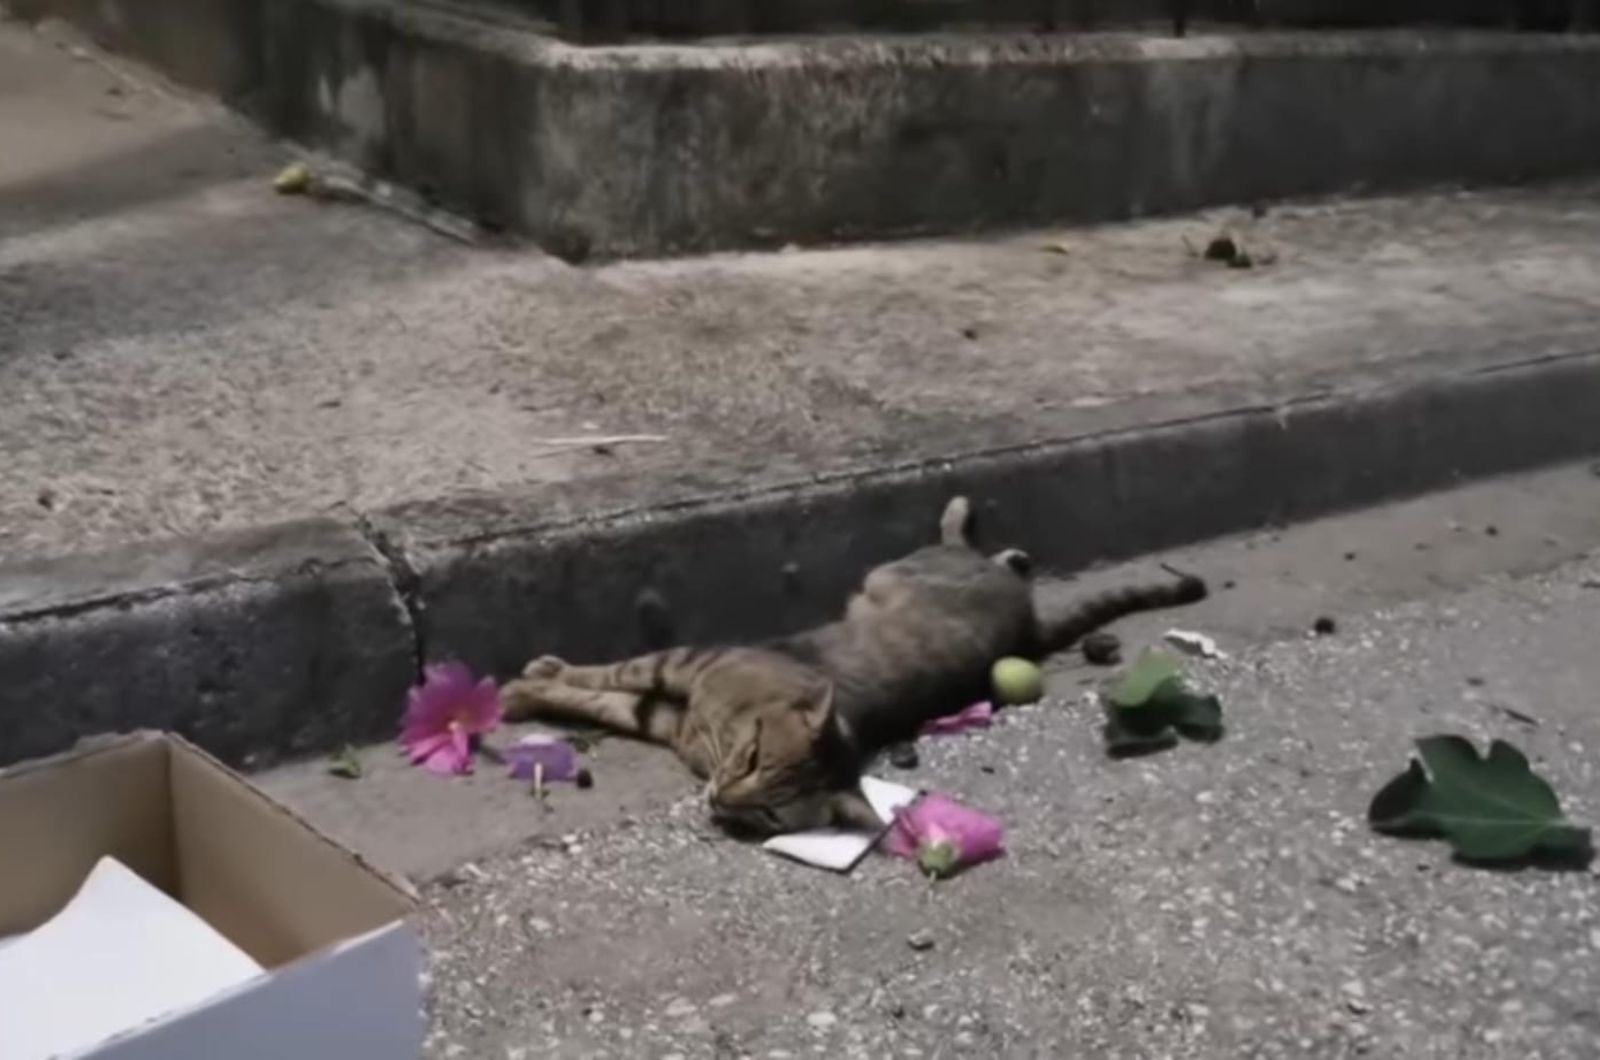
(782,730)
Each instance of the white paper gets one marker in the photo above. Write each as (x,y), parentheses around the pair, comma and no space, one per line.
(119,955)
(836,848)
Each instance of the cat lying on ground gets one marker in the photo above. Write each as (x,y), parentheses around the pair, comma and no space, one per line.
(781,731)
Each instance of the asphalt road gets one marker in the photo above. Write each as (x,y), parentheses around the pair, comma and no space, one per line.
(1224,901)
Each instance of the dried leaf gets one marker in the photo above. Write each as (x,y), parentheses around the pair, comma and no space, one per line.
(346,764)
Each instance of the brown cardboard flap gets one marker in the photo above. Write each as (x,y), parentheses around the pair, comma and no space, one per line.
(58,816)
(262,876)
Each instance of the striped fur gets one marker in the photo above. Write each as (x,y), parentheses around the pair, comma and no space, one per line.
(781,731)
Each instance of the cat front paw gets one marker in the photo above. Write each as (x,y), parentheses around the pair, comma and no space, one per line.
(546,667)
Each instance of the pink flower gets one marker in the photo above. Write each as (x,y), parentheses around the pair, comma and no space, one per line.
(445,714)
(554,759)
(943,836)
(977,716)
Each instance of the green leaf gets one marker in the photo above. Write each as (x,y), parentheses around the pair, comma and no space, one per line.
(1149,672)
(1492,809)
(345,764)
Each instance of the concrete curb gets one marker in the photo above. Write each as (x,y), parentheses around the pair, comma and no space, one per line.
(293,639)
(665,149)
(278,641)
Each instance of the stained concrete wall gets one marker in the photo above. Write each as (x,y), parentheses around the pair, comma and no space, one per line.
(660,149)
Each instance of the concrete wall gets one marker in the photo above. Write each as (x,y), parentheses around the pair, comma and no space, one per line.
(660,149)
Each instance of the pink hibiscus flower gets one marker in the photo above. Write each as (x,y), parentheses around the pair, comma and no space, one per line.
(943,836)
(444,716)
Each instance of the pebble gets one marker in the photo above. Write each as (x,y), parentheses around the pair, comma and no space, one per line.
(822,1020)
(723,1000)
(679,1007)
(920,940)
(904,756)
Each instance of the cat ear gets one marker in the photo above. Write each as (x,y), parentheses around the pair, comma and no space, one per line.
(852,810)
(818,707)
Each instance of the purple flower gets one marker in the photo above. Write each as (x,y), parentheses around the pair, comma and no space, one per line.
(445,714)
(550,756)
(977,716)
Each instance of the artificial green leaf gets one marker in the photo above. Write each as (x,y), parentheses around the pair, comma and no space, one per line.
(1149,672)
(1492,809)
(1124,741)
(1196,717)
(345,764)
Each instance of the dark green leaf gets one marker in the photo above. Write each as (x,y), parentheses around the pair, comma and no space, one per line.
(345,764)
(1393,810)
(1492,809)
(1149,672)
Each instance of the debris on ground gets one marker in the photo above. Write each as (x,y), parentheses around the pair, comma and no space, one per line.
(977,716)
(1229,248)
(841,850)
(1196,644)
(333,184)
(538,756)
(345,764)
(1324,626)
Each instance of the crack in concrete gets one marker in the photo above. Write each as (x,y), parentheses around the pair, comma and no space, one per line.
(404,582)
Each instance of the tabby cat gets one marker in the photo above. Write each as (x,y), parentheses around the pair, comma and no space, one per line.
(782,730)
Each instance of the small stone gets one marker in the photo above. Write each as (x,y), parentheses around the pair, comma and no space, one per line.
(1492,531)
(920,941)
(680,1007)
(1349,556)
(1222,248)
(584,779)
(47,499)
(1324,626)
(723,1000)
(904,756)
(1346,884)
(821,1021)
(1102,648)
(969,333)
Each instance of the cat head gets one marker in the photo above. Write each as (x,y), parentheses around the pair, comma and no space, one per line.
(792,771)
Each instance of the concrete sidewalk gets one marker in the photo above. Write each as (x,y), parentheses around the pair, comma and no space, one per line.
(1209,903)
(185,354)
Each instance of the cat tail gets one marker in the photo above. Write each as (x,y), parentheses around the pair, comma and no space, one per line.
(1101,609)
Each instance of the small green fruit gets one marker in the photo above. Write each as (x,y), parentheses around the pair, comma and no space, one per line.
(1017,681)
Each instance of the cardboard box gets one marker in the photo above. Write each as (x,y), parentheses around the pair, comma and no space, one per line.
(343,974)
